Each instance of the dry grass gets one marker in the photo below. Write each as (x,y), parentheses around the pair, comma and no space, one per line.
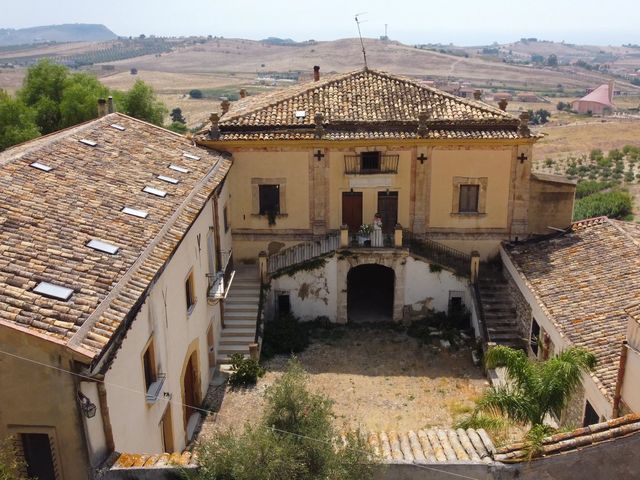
(378,380)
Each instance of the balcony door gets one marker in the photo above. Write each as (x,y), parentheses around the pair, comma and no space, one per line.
(352,210)
(388,210)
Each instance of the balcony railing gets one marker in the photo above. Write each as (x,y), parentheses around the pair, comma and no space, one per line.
(353,165)
(220,281)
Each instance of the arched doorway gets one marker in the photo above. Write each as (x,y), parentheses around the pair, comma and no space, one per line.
(370,290)
(191,394)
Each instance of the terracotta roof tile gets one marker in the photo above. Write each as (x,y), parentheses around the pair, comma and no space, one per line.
(46,219)
(574,440)
(364,104)
(584,280)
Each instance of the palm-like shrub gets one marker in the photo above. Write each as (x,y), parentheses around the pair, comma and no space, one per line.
(534,389)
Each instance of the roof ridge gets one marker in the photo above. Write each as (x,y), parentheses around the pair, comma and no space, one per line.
(615,224)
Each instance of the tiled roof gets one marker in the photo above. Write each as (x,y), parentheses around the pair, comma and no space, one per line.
(47,218)
(433,445)
(574,440)
(421,446)
(584,280)
(364,104)
(131,461)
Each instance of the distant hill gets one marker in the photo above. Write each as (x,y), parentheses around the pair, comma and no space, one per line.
(76,32)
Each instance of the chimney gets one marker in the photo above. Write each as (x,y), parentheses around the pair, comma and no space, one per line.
(243,93)
(224,105)
(316,73)
(611,91)
(214,131)
(111,108)
(477,95)
(503,104)
(102,107)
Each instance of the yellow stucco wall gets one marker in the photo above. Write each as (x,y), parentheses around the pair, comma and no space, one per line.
(46,403)
(494,164)
(369,185)
(291,165)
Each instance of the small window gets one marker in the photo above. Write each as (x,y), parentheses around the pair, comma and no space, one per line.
(38,456)
(53,291)
(284,304)
(269,199)
(534,339)
(190,156)
(134,212)
(178,168)
(118,127)
(103,246)
(225,218)
(155,191)
(469,198)
(190,292)
(164,178)
(149,365)
(590,415)
(370,161)
(90,143)
(41,166)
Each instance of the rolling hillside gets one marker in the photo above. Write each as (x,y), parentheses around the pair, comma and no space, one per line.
(76,32)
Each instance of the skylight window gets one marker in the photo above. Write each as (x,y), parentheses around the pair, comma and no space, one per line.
(155,191)
(103,246)
(179,169)
(53,291)
(41,166)
(190,156)
(91,143)
(168,179)
(118,127)
(135,213)
(301,113)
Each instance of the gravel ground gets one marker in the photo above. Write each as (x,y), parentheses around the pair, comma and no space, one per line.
(378,379)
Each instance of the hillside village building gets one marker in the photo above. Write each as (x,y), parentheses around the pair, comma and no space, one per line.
(134,258)
(108,231)
(597,102)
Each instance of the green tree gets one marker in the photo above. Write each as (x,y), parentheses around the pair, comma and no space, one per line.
(42,90)
(79,101)
(534,389)
(17,121)
(178,127)
(11,466)
(141,102)
(614,204)
(295,440)
(176,115)
(552,60)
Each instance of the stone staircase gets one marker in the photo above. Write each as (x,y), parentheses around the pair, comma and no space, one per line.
(499,311)
(240,313)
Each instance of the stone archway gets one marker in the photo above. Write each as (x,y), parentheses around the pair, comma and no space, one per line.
(370,293)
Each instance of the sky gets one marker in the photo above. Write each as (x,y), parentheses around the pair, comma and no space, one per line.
(462,22)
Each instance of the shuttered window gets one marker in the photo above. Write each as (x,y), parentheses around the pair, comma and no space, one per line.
(469,198)
(269,199)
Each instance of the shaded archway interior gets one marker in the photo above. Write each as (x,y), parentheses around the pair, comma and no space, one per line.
(370,293)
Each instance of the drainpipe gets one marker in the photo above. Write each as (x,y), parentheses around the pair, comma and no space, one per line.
(621,368)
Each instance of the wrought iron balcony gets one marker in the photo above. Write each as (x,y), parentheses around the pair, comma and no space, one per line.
(220,281)
(357,165)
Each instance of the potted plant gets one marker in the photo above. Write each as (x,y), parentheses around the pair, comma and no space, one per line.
(364,234)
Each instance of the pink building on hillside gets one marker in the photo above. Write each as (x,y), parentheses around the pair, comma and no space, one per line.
(597,102)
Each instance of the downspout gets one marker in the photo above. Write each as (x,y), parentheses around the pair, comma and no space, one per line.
(621,368)
(106,419)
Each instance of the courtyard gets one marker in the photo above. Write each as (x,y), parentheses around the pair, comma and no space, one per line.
(379,378)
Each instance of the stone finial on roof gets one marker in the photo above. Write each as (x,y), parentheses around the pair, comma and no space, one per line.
(523,129)
(243,93)
(319,120)
(477,94)
(214,132)
(423,130)
(503,104)
(224,105)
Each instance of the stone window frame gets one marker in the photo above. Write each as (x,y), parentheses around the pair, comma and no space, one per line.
(16,430)
(482,182)
(255,194)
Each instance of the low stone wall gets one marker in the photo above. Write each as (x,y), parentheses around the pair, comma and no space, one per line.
(523,309)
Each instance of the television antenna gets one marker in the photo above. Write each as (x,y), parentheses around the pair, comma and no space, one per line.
(364,53)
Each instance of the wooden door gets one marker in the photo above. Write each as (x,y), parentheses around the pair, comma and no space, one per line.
(189,390)
(388,210)
(352,210)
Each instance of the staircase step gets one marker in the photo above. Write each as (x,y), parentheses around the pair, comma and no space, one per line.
(232,314)
(241,307)
(238,323)
(228,350)
(237,340)
(248,331)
